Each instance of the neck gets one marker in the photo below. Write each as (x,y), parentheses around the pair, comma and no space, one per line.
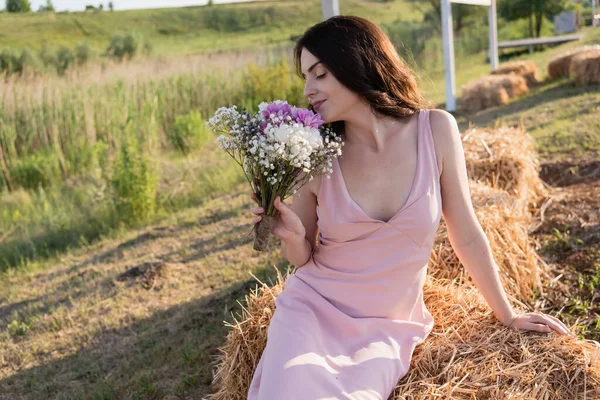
(368,129)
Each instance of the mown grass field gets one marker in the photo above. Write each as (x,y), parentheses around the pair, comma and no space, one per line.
(136,312)
(190,29)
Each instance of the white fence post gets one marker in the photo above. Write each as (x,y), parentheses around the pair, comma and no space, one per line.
(448,42)
(493,36)
(330,8)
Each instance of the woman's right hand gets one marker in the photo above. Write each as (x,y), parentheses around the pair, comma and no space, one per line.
(288,226)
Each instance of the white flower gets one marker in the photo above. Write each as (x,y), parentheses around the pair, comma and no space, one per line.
(282,133)
(262,106)
(315,138)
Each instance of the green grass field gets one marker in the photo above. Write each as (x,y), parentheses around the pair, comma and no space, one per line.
(191,29)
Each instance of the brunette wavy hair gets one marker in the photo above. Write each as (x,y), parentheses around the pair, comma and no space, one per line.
(362,57)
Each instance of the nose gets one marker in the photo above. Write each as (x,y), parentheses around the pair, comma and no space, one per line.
(309,89)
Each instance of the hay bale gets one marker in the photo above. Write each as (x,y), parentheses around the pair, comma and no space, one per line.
(505,158)
(469,353)
(585,67)
(560,65)
(491,91)
(527,69)
(504,220)
(481,94)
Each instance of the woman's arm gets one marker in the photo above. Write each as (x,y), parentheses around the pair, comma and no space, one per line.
(465,233)
(304,205)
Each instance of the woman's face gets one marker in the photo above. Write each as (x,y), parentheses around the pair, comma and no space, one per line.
(339,102)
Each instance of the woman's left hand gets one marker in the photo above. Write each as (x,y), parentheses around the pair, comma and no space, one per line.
(539,322)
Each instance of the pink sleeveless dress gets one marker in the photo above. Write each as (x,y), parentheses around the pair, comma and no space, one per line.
(347,322)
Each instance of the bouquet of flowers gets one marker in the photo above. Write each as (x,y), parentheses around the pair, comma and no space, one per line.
(280,149)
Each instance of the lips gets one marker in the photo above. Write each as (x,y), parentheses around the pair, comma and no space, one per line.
(318,104)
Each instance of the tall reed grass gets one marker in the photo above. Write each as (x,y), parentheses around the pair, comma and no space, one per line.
(115,147)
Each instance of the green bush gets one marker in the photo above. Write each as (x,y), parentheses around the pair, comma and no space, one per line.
(66,58)
(83,53)
(270,83)
(189,132)
(9,61)
(35,170)
(49,57)
(134,181)
(30,62)
(236,20)
(128,46)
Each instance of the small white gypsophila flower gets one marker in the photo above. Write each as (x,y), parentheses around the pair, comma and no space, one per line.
(224,119)
(262,106)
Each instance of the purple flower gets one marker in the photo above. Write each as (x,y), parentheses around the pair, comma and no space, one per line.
(280,109)
(262,127)
(308,118)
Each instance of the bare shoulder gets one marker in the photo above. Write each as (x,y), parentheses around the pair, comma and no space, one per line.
(446,135)
(315,184)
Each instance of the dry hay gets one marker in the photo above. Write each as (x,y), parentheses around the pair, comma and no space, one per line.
(504,220)
(468,353)
(526,69)
(585,67)
(560,66)
(492,90)
(505,158)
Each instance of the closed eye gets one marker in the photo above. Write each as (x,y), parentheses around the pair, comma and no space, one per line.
(321,76)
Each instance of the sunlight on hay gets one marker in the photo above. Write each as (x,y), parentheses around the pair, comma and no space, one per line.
(505,158)
(492,90)
(504,220)
(468,353)
(526,69)
(559,66)
(585,67)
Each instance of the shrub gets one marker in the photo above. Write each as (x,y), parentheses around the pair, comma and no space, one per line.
(9,61)
(134,181)
(35,170)
(65,58)
(29,62)
(83,53)
(189,132)
(127,46)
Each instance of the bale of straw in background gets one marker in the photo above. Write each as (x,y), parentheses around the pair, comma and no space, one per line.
(492,90)
(505,158)
(481,94)
(560,65)
(469,353)
(514,85)
(504,220)
(585,67)
(526,69)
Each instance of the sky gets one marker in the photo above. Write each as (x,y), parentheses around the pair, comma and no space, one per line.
(79,5)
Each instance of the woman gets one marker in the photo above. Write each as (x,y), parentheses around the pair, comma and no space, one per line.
(349,318)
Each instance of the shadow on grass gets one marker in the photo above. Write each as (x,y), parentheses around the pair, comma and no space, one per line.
(16,253)
(171,352)
(82,284)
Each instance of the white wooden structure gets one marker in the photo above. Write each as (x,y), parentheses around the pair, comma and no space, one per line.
(448,41)
(331,8)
